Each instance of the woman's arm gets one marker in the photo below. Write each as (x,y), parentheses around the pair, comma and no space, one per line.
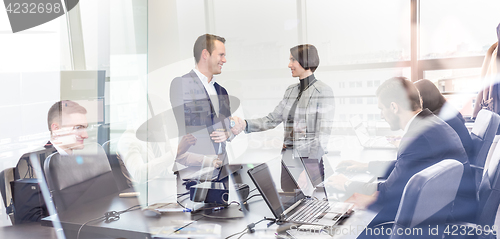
(273,119)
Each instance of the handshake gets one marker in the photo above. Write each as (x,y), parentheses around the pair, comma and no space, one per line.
(239,125)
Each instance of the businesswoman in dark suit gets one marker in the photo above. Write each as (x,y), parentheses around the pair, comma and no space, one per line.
(433,100)
(306,110)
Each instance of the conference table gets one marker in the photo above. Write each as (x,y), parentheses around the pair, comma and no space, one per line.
(233,219)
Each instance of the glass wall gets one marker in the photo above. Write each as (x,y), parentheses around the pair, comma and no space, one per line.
(133,49)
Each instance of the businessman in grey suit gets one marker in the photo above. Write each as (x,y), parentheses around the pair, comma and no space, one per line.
(201,106)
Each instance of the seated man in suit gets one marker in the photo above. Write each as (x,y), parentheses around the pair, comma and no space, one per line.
(426,141)
(67,124)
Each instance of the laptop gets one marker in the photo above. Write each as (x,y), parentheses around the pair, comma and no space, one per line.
(365,139)
(294,206)
(213,173)
(313,171)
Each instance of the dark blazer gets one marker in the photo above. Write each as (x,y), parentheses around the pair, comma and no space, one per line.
(428,141)
(458,124)
(195,114)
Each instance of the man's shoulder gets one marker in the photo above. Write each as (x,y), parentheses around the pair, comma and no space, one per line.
(187,76)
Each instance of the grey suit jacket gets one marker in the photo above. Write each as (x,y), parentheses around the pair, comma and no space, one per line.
(195,114)
(312,121)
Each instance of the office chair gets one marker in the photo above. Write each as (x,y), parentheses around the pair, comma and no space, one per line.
(489,191)
(120,172)
(428,197)
(490,152)
(78,179)
(482,134)
(7,176)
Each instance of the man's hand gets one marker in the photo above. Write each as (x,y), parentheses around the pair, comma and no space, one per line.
(338,182)
(219,136)
(395,140)
(239,126)
(362,201)
(352,166)
(217,163)
(187,141)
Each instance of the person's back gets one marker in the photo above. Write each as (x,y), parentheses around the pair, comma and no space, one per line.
(428,141)
(433,100)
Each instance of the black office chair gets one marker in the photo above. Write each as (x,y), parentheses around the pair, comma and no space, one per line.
(489,191)
(78,179)
(428,197)
(120,172)
(482,134)
(7,176)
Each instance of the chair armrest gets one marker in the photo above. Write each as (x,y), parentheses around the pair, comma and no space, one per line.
(475,167)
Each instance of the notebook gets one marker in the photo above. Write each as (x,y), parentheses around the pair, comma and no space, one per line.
(294,206)
(365,139)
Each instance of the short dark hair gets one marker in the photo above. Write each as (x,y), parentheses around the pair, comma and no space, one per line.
(401,91)
(432,99)
(206,41)
(306,55)
(63,107)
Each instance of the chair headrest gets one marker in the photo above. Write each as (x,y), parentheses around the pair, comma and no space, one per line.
(486,120)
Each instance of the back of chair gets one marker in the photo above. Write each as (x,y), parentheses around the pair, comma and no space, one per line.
(482,134)
(428,196)
(489,191)
(490,152)
(7,176)
(120,172)
(77,179)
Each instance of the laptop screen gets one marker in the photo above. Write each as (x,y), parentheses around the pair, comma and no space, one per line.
(261,176)
(359,129)
(277,201)
(313,170)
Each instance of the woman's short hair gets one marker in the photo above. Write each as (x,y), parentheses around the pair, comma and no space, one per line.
(306,55)
(432,99)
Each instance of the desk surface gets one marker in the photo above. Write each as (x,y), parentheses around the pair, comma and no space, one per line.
(28,230)
(135,225)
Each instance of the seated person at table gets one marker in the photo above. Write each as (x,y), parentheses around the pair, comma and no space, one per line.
(426,141)
(433,100)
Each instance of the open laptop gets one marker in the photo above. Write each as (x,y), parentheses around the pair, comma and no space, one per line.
(365,139)
(294,206)
(213,173)
(313,171)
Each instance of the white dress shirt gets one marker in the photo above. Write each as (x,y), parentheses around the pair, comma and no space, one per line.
(210,88)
